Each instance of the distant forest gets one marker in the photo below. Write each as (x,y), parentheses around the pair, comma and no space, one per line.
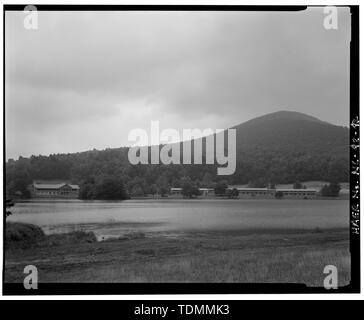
(269,150)
(94,170)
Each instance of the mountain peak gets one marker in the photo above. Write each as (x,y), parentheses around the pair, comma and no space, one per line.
(283,115)
(288,115)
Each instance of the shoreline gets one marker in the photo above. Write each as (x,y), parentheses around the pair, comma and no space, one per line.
(55,200)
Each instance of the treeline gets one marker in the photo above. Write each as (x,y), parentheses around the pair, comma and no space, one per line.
(108,175)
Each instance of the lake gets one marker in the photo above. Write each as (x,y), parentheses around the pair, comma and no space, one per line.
(117,218)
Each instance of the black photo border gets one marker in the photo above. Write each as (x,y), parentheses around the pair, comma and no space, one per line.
(211,288)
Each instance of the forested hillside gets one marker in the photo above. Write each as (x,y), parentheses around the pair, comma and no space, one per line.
(282,147)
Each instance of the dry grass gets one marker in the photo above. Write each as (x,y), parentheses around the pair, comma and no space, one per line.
(258,257)
(294,265)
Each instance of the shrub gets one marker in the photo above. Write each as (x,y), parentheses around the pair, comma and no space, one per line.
(279,195)
(220,188)
(22,234)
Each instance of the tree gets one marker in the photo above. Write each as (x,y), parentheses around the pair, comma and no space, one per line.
(163,186)
(207,180)
(325,191)
(189,188)
(271,185)
(110,188)
(9,203)
(153,189)
(338,170)
(297,185)
(136,184)
(232,193)
(87,191)
(257,183)
(279,195)
(235,193)
(331,190)
(137,191)
(220,188)
(17,183)
(334,189)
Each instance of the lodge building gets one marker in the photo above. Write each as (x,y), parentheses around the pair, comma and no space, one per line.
(54,190)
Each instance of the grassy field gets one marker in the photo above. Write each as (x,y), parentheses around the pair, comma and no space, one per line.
(264,256)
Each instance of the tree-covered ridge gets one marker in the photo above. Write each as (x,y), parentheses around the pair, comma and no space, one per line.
(277,148)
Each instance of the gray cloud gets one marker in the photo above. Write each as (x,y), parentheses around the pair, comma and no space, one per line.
(83,80)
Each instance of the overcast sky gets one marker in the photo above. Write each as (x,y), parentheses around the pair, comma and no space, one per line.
(84,80)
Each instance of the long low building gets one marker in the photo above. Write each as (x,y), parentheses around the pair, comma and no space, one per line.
(55,190)
(285,193)
(259,192)
(204,191)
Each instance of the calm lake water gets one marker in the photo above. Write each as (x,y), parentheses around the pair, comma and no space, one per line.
(117,218)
